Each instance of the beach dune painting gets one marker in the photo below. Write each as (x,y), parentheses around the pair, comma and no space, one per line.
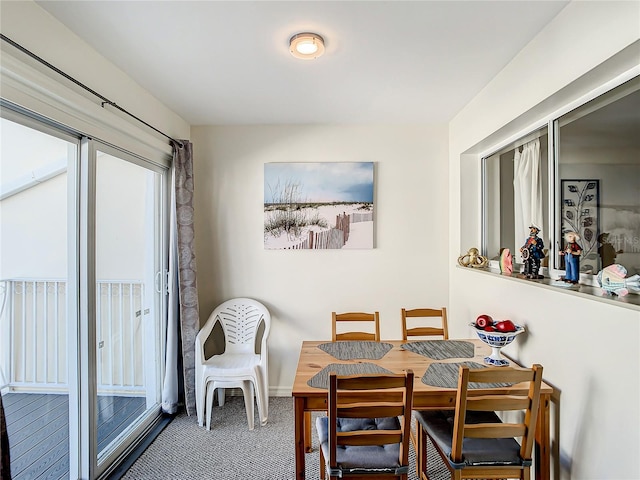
(318,206)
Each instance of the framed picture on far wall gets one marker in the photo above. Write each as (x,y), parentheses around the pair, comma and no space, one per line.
(318,206)
(581,214)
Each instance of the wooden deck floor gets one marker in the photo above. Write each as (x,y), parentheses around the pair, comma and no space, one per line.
(38,427)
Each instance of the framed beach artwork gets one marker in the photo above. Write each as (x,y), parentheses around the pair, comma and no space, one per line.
(318,206)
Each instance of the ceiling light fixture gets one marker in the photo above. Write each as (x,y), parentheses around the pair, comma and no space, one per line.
(306,45)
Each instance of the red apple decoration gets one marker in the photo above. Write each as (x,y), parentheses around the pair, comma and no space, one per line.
(483,321)
(505,326)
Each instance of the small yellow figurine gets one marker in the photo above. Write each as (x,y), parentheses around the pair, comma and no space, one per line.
(473,259)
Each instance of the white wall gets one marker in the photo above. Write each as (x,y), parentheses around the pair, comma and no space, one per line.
(407,267)
(26,23)
(589,349)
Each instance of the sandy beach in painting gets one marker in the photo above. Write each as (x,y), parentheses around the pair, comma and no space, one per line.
(361,233)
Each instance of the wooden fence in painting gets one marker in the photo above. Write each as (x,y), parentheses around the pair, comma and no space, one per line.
(343,223)
(334,238)
(361,217)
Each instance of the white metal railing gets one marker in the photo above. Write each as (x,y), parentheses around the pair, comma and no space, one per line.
(34,335)
(120,310)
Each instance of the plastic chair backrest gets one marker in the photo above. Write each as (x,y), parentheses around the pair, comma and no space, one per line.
(243,321)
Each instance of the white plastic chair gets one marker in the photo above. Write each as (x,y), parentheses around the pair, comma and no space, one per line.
(243,364)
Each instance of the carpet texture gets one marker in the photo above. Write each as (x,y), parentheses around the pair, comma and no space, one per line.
(229,451)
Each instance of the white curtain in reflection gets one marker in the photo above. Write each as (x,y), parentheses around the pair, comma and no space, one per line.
(527,190)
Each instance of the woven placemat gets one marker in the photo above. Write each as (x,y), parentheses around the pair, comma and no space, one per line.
(446,375)
(321,379)
(355,349)
(441,349)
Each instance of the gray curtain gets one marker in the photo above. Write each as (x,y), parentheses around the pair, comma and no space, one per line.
(183,289)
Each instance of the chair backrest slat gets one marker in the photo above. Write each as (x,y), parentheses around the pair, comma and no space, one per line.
(424,330)
(494,430)
(363,382)
(371,410)
(496,403)
(374,318)
(500,375)
(369,437)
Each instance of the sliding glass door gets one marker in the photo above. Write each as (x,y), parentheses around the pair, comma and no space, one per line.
(36,213)
(82,298)
(128,303)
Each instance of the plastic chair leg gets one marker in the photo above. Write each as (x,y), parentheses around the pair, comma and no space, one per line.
(265,395)
(247,390)
(209,404)
(262,400)
(200,401)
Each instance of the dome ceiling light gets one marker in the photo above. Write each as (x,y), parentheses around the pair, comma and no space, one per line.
(307,46)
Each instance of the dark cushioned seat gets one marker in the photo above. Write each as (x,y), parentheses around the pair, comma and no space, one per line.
(362,459)
(475,451)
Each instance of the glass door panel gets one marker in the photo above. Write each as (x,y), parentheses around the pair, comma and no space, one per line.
(36,367)
(127,252)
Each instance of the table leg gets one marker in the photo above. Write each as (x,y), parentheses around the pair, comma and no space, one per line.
(299,429)
(307,432)
(543,440)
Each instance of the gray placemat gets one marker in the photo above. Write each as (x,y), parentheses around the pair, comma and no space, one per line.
(353,349)
(446,375)
(321,379)
(441,349)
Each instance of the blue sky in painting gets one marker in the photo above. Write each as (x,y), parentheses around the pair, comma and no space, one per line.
(322,182)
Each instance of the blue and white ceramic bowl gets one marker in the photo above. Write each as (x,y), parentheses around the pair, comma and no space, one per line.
(497,340)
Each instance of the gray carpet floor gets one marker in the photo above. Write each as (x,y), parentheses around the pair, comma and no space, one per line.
(230,451)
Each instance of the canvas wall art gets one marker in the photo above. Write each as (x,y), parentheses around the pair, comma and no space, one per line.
(326,205)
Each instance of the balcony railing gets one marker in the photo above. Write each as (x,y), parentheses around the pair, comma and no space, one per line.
(34,335)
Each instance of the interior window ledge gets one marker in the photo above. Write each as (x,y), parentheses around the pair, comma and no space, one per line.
(632,300)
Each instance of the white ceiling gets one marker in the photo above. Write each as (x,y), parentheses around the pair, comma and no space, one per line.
(227,62)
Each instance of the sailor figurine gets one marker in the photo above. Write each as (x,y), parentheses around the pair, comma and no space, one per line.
(532,253)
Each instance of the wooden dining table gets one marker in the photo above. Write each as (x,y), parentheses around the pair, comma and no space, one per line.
(317,357)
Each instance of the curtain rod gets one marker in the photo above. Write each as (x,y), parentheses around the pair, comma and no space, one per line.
(105,100)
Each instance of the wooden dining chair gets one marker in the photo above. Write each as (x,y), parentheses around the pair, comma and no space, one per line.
(366,432)
(356,317)
(472,440)
(423,322)
(411,329)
